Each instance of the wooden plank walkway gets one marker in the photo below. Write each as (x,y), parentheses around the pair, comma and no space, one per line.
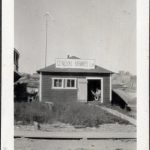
(118,114)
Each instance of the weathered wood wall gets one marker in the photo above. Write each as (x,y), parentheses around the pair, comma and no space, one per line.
(49,94)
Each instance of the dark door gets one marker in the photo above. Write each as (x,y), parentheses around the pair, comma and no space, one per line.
(93,84)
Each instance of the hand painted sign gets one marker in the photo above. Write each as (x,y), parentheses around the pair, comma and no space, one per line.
(75,63)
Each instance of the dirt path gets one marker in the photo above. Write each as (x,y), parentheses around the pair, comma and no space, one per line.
(64,130)
(28,144)
(75,135)
(67,131)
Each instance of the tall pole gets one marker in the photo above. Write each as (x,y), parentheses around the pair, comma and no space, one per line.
(46,25)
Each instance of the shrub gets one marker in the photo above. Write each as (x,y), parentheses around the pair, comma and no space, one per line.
(34,111)
(74,113)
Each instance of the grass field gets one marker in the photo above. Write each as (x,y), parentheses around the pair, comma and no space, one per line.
(73,113)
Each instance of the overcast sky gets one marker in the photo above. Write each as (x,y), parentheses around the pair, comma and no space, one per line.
(104,30)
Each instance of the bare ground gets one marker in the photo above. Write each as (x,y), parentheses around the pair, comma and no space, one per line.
(58,126)
(30,144)
(84,144)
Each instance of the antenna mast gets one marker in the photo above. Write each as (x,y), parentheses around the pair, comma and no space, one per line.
(46,25)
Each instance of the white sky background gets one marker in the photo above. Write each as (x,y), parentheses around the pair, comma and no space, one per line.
(104,30)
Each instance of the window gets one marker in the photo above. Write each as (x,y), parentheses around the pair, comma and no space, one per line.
(70,83)
(57,83)
(63,83)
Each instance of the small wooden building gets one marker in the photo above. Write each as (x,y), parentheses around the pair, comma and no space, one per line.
(74,80)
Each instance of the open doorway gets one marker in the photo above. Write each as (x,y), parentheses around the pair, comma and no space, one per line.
(92,86)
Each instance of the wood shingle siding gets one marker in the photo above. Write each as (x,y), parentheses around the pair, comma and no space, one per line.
(50,94)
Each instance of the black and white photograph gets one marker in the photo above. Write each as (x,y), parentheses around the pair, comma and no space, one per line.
(74,75)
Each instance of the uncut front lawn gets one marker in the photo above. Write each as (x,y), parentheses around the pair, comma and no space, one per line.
(73,113)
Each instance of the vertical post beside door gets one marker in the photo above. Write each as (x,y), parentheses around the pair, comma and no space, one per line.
(110,89)
(82,90)
(40,89)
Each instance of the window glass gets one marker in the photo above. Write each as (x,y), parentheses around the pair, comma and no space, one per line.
(57,82)
(70,83)
(64,83)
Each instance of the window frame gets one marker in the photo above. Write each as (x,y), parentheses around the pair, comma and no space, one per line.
(64,83)
(53,81)
(75,83)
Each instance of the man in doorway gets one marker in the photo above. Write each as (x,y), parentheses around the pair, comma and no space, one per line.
(97,94)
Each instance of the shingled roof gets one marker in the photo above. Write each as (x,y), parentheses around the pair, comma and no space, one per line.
(52,69)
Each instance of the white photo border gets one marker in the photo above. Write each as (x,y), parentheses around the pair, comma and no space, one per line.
(7,105)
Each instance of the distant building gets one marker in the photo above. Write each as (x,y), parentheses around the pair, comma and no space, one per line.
(124,80)
(33,88)
(16,59)
(133,83)
(27,88)
(121,78)
(16,65)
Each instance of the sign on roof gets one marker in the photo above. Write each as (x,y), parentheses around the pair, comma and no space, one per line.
(75,63)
